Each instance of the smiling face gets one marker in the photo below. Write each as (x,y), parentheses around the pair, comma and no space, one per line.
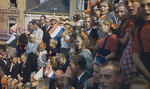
(121,12)
(145,7)
(133,6)
(108,79)
(104,8)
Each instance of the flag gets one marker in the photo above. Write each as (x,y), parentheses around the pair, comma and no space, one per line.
(56,31)
(39,74)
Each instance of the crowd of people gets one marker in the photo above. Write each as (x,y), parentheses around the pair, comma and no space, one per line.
(106,48)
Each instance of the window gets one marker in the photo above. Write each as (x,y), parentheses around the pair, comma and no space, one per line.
(85,4)
(11,22)
(82,4)
(13,3)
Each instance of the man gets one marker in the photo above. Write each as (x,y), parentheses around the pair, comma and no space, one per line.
(42,22)
(46,36)
(110,76)
(141,47)
(77,66)
(12,42)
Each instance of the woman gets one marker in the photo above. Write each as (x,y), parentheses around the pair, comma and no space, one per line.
(127,57)
(38,32)
(82,44)
(123,31)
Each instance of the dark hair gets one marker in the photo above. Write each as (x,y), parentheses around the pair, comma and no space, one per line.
(77,17)
(38,23)
(32,22)
(79,60)
(43,16)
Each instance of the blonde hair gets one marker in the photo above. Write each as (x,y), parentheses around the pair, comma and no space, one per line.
(54,41)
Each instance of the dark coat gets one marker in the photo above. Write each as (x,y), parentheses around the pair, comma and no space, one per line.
(3,66)
(80,84)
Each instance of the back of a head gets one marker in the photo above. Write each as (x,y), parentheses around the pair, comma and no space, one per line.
(43,85)
(79,60)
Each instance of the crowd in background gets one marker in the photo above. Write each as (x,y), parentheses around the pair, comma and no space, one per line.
(106,48)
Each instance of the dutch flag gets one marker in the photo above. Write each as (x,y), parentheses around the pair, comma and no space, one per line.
(56,31)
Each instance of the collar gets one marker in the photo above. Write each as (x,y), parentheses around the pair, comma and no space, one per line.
(79,77)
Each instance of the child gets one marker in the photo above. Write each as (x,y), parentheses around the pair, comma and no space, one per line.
(31,51)
(53,48)
(41,61)
(108,47)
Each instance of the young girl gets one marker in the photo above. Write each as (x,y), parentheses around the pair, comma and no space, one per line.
(108,47)
(41,61)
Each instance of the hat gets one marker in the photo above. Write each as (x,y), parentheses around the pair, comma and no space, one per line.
(42,45)
(101,60)
(63,17)
(14,27)
(54,16)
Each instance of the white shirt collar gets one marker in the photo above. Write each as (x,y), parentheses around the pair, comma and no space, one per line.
(79,77)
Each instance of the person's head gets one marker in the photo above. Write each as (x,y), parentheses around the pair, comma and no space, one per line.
(53,43)
(32,38)
(63,57)
(43,85)
(88,22)
(55,63)
(66,81)
(77,64)
(106,25)
(95,10)
(76,17)
(23,57)
(105,7)
(53,21)
(96,66)
(139,83)
(47,22)
(59,82)
(31,25)
(133,6)
(14,60)
(37,24)
(81,42)
(109,75)
(145,7)
(42,19)
(121,12)
(42,46)
(22,29)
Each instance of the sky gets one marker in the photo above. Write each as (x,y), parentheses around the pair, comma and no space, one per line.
(42,1)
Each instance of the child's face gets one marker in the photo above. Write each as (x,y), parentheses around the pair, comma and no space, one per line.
(79,42)
(23,58)
(61,58)
(121,12)
(104,28)
(14,60)
(32,39)
(133,6)
(145,7)
(104,8)
(52,44)
(41,49)
(48,63)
